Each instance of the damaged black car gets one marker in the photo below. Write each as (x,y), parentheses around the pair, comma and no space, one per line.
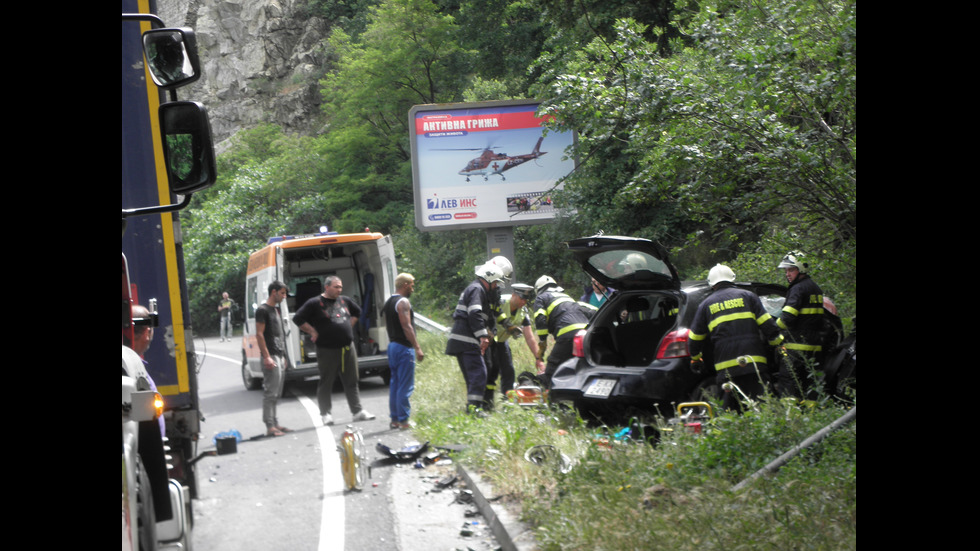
(632,360)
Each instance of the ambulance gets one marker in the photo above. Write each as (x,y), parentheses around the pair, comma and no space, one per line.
(365,263)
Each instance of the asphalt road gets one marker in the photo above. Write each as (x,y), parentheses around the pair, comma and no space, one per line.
(287,493)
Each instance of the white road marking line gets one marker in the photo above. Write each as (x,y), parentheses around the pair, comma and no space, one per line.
(332,520)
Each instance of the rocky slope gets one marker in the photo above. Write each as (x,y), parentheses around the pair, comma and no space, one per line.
(261,60)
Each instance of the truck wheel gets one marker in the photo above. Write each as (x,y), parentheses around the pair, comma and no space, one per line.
(147,521)
(251,383)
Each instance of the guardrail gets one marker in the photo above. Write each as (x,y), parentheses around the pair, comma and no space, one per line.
(425,323)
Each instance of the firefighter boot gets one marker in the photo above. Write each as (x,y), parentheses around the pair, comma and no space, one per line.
(475,407)
(487,403)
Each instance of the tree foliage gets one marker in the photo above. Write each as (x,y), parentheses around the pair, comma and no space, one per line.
(753,124)
(725,129)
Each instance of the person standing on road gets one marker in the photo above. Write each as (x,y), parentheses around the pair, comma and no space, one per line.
(470,335)
(270,337)
(224,312)
(403,350)
(802,321)
(513,320)
(729,320)
(329,319)
(561,316)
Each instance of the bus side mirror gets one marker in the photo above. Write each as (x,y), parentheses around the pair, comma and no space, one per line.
(171,56)
(187,147)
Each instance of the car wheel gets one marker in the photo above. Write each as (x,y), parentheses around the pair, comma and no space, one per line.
(708,390)
(386,376)
(251,383)
(845,387)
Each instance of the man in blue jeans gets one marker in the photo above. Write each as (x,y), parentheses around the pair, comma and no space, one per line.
(403,350)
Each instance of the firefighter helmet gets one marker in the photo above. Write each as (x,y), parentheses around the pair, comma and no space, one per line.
(793,259)
(720,273)
(505,266)
(544,282)
(636,261)
(490,272)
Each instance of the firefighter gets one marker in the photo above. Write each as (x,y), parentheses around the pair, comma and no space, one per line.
(498,355)
(561,316)
(470,335)
(513,320)
(802,321)
(729,321)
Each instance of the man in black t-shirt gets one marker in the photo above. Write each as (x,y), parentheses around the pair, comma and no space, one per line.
(329,319)
(269,336)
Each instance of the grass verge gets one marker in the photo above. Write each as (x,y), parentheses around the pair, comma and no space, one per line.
(676,495)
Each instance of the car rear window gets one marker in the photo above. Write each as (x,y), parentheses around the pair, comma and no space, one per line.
(629,264)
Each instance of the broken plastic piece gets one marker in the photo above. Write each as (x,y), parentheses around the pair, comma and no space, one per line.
(447,482)
(406,454)
(549,456)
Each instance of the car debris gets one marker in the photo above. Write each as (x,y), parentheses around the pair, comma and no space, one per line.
(411,452)
(549,456)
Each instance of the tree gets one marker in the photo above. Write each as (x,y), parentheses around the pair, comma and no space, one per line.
(408,55)
(753,125)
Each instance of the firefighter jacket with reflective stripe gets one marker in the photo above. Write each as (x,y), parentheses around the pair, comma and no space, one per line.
(471,319)
(802,318)
(729,320)
(509,320)
(558,314)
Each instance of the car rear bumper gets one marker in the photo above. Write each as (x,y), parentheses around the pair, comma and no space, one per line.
(662,383)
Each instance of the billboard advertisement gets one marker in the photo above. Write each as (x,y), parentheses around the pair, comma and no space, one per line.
(486,164)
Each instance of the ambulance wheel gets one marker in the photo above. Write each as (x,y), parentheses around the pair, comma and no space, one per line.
(251,383)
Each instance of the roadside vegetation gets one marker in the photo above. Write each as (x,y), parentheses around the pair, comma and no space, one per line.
(726,130)
(628,494)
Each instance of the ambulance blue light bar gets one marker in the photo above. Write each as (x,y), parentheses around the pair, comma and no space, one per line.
(288,237)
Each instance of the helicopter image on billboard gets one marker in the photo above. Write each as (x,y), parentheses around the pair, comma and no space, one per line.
(489,162)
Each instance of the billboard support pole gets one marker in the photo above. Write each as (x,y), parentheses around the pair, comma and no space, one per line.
(500,242)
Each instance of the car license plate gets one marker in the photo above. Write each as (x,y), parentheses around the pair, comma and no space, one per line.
(601,388)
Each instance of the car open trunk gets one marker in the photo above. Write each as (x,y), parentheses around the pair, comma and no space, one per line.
(628,331)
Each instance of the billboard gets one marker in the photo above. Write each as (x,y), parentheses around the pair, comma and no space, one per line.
(486,164)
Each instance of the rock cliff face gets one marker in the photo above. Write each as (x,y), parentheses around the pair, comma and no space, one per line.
(261,60)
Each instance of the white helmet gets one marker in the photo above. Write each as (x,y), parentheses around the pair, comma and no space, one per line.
(793,259)
(544,282)
(636,261)
(490,272)
(523,290)
(505,266)
(720,273)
